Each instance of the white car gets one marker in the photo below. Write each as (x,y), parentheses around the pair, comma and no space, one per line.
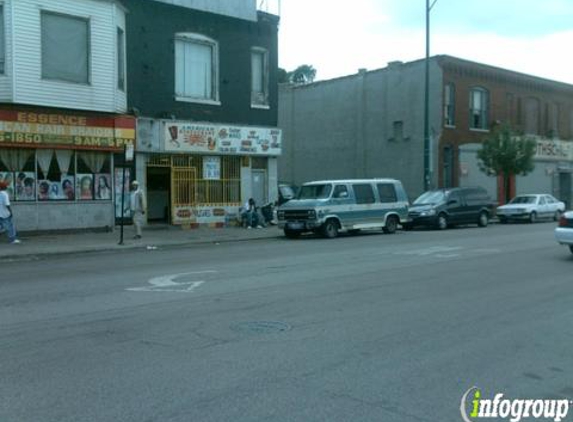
(564,232)
(531,208)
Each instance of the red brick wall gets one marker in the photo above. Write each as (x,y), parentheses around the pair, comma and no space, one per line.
(508,92)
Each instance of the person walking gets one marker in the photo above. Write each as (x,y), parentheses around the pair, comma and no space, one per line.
(138,208)
(6,222)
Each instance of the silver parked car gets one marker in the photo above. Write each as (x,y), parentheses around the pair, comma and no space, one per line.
(564,232)
(531,208)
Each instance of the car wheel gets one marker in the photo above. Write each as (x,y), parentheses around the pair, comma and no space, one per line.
(503,220)
(483,219)
(533,217)
(557,215)
(291,234)
(330,229)
(442,222)
(391,225)
(407,226)
(571,248)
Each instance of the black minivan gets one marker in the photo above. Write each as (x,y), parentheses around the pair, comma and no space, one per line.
(441,208)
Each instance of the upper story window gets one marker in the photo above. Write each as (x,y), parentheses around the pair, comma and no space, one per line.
(532,116)
(120,59)
(2,42)
(65,48)
(196,68)
(479,104)
(449,105)
(259,77)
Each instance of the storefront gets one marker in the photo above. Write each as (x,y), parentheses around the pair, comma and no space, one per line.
(202,173)
(552,174)
(60,167)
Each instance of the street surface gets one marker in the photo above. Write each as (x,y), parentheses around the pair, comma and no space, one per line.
(371,327)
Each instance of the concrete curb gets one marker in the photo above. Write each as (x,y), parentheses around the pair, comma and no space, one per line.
(115,247)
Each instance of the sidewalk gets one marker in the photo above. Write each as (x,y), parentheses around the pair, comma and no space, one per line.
(45,245)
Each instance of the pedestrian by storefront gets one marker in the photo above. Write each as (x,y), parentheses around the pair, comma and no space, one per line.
(6,221)
(138,207)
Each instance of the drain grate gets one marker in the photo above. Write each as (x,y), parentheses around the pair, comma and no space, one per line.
(261,327)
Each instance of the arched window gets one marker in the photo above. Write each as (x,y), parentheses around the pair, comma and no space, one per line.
(479,106)
(532,116)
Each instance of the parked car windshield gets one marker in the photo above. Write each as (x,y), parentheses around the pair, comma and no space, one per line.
(315,191)
(524,200)
(430,198)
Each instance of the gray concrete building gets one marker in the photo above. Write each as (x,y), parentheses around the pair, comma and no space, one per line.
(370,124)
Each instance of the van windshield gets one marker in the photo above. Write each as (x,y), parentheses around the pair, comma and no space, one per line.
(315,191)
(430,198)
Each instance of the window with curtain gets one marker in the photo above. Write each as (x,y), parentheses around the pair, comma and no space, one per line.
(259,77)
(17,168)
(479,104)
(120,59)
(65,48)
(449,103)
(196,72)
(2,42)
(55,175)
(93,178)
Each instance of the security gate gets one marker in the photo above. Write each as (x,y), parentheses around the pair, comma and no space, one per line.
(184,191)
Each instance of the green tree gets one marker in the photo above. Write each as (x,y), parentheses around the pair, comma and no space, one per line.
(282,76)
(506,153)
(304,74)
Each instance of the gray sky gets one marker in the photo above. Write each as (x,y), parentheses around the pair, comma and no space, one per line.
(338,37)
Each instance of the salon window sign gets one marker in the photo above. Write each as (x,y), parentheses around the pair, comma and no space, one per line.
(212,168)
(223,139)
(33,130)
(554,150)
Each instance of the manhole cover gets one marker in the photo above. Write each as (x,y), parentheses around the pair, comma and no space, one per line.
(261,327)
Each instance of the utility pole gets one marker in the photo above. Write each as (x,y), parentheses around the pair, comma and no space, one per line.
(427,172)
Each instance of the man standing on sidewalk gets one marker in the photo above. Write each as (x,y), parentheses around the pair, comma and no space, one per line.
(138,207)
(6,222)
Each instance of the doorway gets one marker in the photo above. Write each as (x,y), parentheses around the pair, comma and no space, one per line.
(565,188)
(259,185)
(158,194)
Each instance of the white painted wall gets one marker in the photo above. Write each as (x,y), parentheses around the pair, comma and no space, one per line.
(23,39)
(242,9)
(5,79)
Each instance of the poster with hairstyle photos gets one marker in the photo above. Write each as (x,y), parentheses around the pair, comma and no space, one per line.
(84,186)
(118,182)
(26,186)
(68,189)
(8,178)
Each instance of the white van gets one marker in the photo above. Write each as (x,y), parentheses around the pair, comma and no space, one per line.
(330,206)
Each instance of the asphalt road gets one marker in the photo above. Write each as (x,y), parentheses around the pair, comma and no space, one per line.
(369,327)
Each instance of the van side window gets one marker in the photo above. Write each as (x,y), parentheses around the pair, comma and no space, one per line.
(387,192)
(340,191)
(364,193)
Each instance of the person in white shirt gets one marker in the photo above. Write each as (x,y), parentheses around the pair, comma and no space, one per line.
(138,207)
(6,222)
